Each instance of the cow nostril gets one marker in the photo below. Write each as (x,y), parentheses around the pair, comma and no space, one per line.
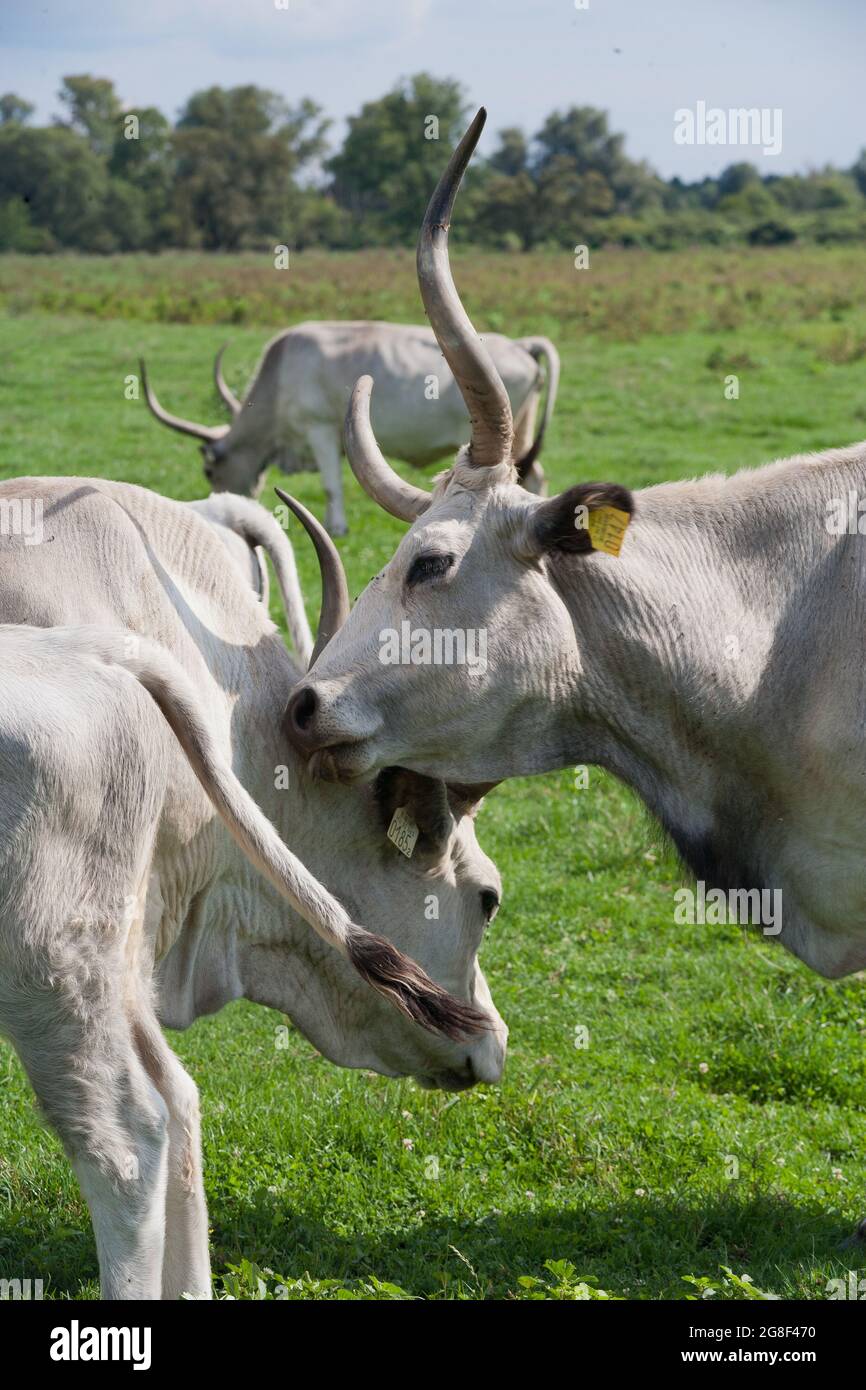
(302,709)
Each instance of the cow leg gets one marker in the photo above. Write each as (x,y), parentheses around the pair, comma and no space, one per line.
(186,1260)
(325,444)
(113,1123)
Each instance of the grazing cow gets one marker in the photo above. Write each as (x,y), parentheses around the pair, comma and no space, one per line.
(293,410)
(146,794)
(715,665)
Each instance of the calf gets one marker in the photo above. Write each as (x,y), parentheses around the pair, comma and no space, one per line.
(140,879)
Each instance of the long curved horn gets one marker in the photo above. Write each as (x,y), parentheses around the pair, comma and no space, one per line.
(335,587)
(480,384)
(227,395)
(210,434)
(369,464)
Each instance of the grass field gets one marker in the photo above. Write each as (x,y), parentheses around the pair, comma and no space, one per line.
(716,1118)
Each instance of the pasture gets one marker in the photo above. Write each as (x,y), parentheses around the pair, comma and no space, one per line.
(678,1100)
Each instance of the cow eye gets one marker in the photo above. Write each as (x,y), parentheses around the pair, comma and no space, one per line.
(489,903)
(425,567)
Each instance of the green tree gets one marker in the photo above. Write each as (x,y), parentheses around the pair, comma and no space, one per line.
(506,212)
(582,173)
(393,154)
(61,182)
(816,191)
(511,157)
(582,136)
(17,232)
(14,110)
(504,205)
(753,202)
(736,177)
(142,160)
(237,153)
(93,110)
(126,216)
(567,199)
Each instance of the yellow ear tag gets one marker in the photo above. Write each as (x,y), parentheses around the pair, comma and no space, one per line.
(606,527)
(403,832)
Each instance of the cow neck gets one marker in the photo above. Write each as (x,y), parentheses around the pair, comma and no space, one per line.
(673,639)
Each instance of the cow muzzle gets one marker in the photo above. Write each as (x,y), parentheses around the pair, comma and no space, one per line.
(331,752)
(301,720)
(483,1065)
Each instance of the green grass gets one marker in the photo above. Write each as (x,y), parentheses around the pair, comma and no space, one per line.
(710,1052)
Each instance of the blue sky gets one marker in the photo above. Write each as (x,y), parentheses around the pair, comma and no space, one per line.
(640,60)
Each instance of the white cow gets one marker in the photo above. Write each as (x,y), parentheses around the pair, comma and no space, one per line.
(140,721)
(293,409)
(715,666)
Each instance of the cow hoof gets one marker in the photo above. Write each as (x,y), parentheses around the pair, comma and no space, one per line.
(338,529)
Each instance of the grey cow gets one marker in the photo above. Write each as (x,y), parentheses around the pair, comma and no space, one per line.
(715,664)
(292,411)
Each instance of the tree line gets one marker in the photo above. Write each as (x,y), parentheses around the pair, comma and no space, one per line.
(242,168)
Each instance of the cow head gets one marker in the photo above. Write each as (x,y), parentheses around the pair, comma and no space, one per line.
(234,457)
(436,905)
(476,574)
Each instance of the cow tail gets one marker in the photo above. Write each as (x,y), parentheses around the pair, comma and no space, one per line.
(259,527)
(540,348)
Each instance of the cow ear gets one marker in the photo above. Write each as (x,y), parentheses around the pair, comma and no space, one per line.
(587,517)
(425,801)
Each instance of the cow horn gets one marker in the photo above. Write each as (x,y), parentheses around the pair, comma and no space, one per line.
(335,588)
(369,464)
(210,434)
(480,384)
(227,395)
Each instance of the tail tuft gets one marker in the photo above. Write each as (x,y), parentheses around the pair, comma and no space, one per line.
(406,985)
